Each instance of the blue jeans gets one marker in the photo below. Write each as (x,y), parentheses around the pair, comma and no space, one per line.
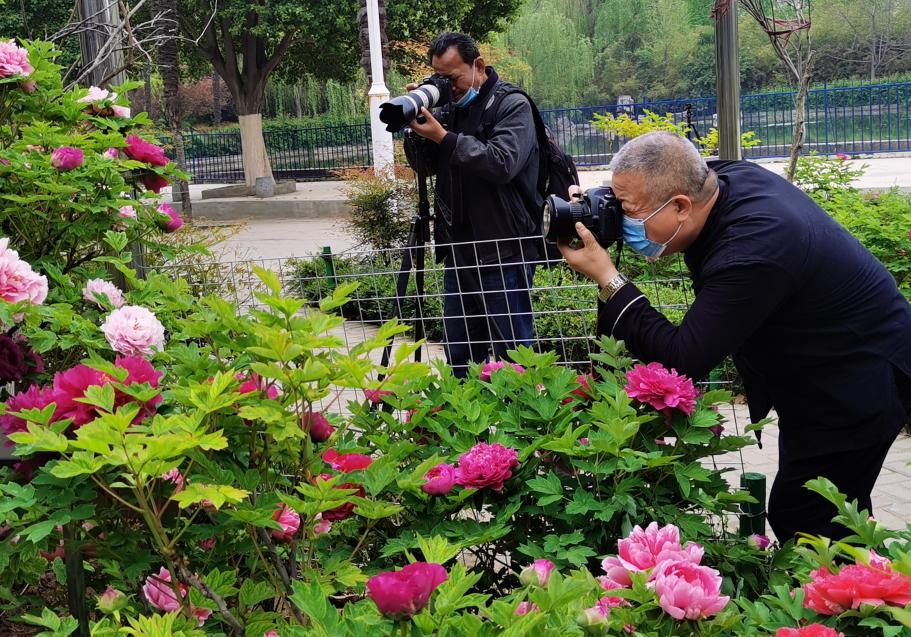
(486,306)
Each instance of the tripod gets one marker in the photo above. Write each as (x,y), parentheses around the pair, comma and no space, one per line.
(415,254)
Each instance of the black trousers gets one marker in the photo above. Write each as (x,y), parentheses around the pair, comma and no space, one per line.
(792,508)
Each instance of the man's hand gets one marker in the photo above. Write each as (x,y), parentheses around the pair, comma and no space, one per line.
(590,258)
(431,129)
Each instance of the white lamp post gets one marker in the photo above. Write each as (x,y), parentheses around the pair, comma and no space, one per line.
(383,157)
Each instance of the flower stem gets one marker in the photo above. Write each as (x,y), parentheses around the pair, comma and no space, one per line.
(403,627)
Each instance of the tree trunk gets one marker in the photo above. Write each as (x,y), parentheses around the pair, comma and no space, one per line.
(147,89)
(216,99)
(800,116)
(253,147)
(101,45)
(169,63)
(298,106)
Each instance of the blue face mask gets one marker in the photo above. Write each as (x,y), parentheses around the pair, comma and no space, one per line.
(635,237)
(469,96)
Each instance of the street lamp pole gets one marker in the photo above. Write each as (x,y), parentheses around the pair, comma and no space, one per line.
(383,157)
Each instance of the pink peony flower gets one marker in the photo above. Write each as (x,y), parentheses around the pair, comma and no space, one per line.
(140,150)
(161,595)
(526,607)
(14,60)
(537,573)
(486,466)
(169,219)
(878,561)
(598,614)
(127,212)
(403,594)
(121,111)
(133,330)
(207,544)
(841,156)
(316,424)
(251,382)
(688,590)
(95,95)
(853,585)
(644,549)
(18,282)
(662,389)
(289,520)
(346,462)
(322,526)
(97,289)
(174,476)
(111,600)
(491,367)
(271,633)
(375,396)
(440,480)
(67,158)
(811,630)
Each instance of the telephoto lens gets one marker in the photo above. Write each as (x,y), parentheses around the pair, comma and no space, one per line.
(597,209)
(399,111)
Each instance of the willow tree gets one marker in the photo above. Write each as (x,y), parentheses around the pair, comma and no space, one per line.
(787,24)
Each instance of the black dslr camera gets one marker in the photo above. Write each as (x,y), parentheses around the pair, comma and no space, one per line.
(597,209)
(399,111)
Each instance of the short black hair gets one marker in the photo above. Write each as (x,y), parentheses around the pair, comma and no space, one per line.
(467,48)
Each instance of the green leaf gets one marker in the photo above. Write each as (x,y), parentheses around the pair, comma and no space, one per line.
(437,549)
(550,486)
(216,494)
(375,510)
(117,240)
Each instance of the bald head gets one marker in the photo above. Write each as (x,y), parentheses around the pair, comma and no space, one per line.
(670,165)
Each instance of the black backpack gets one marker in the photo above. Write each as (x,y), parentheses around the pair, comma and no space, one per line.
(556,173)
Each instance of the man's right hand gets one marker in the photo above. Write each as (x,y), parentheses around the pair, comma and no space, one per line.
(589,259)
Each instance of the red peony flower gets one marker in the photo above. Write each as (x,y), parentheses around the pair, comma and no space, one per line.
(486,466)
(154,182)
(346,462)
(662,389)
(345,510)
(403,594)
(833,594)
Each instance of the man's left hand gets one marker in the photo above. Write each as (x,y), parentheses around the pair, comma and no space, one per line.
(431,129)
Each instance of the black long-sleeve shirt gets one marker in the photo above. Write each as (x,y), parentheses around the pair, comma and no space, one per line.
(817,326)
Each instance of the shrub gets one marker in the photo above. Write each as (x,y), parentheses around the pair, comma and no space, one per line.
(381,208)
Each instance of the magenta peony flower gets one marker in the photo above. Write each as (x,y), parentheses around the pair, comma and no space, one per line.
(70,386)
(811,630)
(662,389)
(375,396)
(161,595)
(169,219)
(67,158)
(127,212)
(644,549)
(853,585)
(526,607)
(96,95)
(537,573)
(346,462)
(139,370)
(18,282)
(403,594)
(121,111)
(34,397)
(97,289)
(491,367)
(316,424)
(111,600)
(207,544)
(252,382)
(486,466)
(140,150)
(440,480)
(289,520)
(14,60)
(133,330)
(688,590)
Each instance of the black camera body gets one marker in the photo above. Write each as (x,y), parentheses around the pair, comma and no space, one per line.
(598,209)
(433,91)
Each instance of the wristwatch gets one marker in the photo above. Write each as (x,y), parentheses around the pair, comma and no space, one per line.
(613,286)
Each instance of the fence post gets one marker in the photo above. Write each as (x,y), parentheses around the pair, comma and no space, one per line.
(330,267)
(752,516)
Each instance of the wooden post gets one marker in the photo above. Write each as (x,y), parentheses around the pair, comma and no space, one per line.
(727,82)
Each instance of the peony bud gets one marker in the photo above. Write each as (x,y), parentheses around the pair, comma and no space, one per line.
(537,573)
(760,542)
(111,601)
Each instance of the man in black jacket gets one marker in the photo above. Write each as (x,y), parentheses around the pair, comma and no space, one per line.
(486,186)
(816,325)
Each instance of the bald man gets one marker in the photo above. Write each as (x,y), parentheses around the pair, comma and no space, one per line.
(816,325)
